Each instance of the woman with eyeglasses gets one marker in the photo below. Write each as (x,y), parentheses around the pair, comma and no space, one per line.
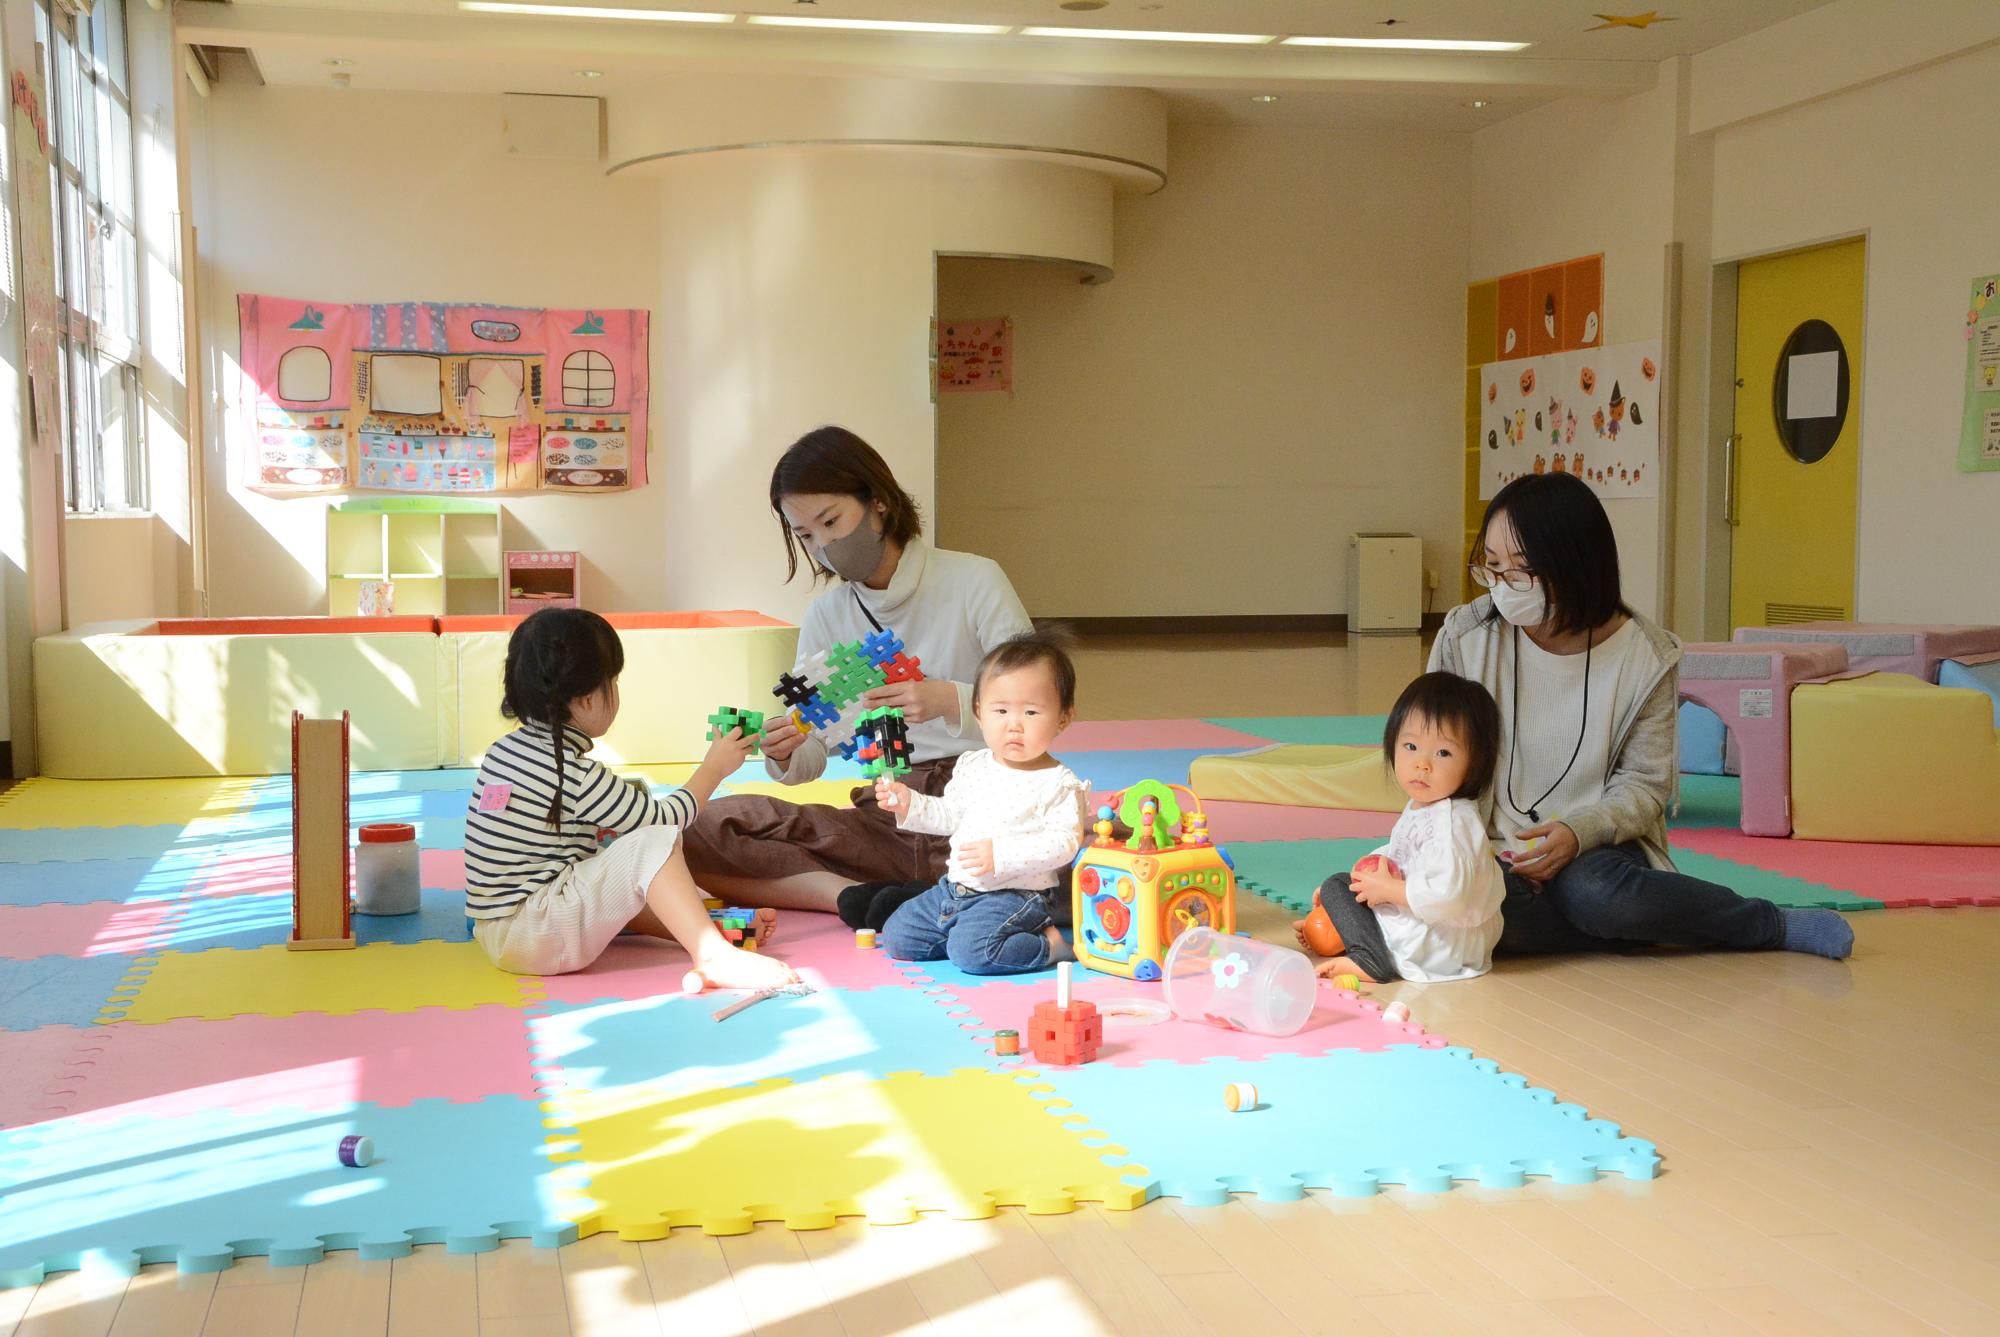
(1589,694)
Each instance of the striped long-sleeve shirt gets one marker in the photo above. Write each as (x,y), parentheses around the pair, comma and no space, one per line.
(510,848)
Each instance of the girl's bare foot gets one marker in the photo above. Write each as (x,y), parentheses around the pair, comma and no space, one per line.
(727,967)
(1343,965)
(1299,932)
(767,926)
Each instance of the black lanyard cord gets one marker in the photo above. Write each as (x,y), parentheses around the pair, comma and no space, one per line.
(864,609)
(1532,811)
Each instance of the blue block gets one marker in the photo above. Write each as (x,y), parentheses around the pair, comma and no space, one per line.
(1348,1121)
(1703,739)
(56,991)
(1979,677)
(204,1189)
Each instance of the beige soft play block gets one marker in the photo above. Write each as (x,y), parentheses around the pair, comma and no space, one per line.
(1887,758)
(116,700)
(674,679)
(1309,775)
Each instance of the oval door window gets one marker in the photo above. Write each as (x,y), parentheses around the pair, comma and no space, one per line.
(1809,393)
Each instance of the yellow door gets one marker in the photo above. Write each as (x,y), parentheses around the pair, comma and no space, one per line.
(1798,435)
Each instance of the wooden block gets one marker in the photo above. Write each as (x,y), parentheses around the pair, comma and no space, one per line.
(320,910)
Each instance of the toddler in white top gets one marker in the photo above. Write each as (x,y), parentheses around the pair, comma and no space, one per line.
(1425,906)
(1015,816)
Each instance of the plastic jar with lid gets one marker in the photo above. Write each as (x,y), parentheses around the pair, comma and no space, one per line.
(386,881)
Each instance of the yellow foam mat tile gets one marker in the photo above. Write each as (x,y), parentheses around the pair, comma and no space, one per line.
(278,982)
(836,793)
(846,1145)
(69,804)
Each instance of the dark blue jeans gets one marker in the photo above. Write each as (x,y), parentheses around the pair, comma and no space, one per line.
(1610,898)
(982,932)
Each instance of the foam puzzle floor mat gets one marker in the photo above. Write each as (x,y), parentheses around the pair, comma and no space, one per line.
(179,1082)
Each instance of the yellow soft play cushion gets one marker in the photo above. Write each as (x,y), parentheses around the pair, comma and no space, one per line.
(1310,775)
(806,1153)
(277,982)
(1888,758)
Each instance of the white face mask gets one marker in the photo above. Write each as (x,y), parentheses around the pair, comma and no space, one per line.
(1523,608)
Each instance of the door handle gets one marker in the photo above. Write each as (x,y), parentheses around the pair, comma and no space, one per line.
(1729,478)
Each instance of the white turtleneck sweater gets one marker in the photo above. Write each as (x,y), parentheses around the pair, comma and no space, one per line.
(950,608)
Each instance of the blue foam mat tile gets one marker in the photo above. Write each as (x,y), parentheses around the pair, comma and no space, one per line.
(83,881)
(57,990)
(202,1190)
(206,838)
(1120,768)
(265,919)
(671,1044)
(1348,1121)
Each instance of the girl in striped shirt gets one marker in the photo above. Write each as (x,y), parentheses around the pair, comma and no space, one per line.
(545,899)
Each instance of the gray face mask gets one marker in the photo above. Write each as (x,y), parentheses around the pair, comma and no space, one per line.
(855,556)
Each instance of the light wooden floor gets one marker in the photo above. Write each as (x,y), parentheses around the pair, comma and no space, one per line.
(1831,1135)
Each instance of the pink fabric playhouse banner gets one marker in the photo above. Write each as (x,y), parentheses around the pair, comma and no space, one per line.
(442,397)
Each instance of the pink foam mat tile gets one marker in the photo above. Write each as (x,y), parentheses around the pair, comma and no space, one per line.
(1899,876)
(818,946)
(306,1061)
(1342,1019)
(43,1068)
(257,874)
(1273,821)
(95,928)
(1132,735)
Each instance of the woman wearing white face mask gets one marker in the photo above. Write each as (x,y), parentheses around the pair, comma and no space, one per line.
(842,510)
(1589,694)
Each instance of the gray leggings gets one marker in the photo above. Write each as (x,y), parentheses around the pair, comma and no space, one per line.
(1359,928)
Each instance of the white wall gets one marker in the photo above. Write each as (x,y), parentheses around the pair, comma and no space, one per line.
(1896,159)
(1573,178)
(1276,364)
(384,196)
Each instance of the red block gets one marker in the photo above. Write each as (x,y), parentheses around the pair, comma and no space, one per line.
(1065,1035)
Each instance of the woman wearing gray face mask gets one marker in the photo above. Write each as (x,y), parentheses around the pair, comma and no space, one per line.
(842,511)
(1589,695)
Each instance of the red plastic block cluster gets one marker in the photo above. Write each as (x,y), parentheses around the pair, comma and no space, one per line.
(1065,1035)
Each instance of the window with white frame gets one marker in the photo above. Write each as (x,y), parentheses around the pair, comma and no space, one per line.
(87,72)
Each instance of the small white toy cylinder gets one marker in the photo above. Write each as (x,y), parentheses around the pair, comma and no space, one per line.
(386,876)
(1396,1013)
(1240,1096)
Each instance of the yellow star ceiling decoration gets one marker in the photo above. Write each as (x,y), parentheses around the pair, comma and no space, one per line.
(1645,20)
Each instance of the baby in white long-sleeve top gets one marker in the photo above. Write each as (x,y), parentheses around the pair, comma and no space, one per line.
(1015,816)
(1426,906)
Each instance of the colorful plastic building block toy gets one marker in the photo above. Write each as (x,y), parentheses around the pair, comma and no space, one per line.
(1132,900)
(883,739)
(751,722)
(1063,1032)
(824,695)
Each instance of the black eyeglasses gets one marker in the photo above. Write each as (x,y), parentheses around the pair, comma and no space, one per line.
(1487,577)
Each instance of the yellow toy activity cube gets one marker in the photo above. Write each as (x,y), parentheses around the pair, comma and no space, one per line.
(1132,899)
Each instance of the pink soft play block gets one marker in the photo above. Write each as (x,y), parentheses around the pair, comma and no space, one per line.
(819,947)
(99,928)
(1341,1020)
(308,1061)
(1749,684)
(1899,876)
(1914,648)
(1134,735)
(1275,821)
